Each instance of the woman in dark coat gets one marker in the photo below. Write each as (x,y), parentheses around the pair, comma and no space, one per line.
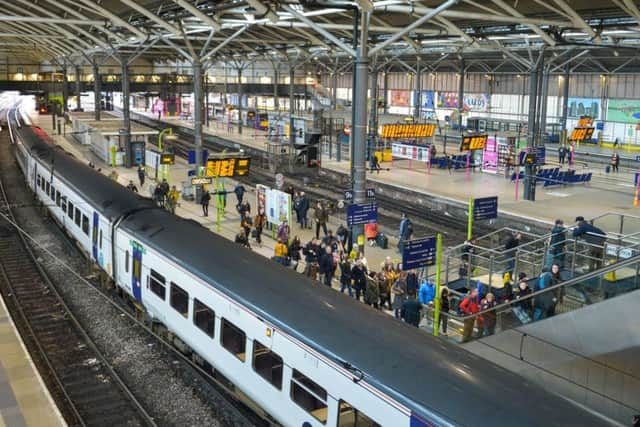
(399,291)
(359,277)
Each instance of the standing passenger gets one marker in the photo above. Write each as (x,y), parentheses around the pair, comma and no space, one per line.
(204,201)
(469,307)
(141,174)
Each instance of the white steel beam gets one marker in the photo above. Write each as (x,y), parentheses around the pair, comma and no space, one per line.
(518,15)
(43,20)
(113,18)
(152,16)
(198,14)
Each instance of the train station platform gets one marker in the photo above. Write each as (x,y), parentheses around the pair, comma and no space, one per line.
(613,192)
(24,398)
(230,223)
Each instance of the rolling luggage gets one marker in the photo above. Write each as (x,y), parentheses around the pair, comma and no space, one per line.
(382,241)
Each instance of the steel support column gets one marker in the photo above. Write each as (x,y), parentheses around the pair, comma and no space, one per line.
(359,129)
(334,106)
(65,90)
(126,113)
(373,114)
(543,109)
(529,177)
(565,101)
(97,80)
(461,94)
(292,133)
(197,110)
(385,99)
(240,96)
(276,99)
(417,111)
(78,88)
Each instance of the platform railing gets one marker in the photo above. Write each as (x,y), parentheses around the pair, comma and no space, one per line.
(576,292)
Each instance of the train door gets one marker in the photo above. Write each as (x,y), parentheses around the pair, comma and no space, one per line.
(136,273)
(94,239)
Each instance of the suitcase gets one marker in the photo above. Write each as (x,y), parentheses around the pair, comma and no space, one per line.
(382,241)
(522,315)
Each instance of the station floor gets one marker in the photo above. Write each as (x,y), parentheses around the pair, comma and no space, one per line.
(24,399)
(604,194)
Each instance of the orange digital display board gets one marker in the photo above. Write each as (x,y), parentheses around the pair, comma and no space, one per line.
(473,142)
(584,122)
(424,130)
(581,134)
(228,167)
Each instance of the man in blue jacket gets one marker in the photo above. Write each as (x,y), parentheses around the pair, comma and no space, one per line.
(594,237)
(427,292)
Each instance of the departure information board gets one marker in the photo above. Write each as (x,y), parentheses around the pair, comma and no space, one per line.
(473,142)
(581,134)
(228,167)
(424,130)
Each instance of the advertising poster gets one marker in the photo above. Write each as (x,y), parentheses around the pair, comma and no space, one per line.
(623,110)
(490,156)
(578,107)
(410,152)
(261,197)
(400,98)
(428,101)
(479,102)
(278,206)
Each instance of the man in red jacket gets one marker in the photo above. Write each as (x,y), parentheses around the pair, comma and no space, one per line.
(469,306)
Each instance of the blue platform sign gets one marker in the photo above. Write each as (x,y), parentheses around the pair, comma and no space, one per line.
(485,208)
(637,158)
(370,192)
(364,213)
(418,253)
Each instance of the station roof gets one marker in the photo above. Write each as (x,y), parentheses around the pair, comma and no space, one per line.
(492,35)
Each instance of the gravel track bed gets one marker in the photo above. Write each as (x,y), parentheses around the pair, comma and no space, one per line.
(168,388)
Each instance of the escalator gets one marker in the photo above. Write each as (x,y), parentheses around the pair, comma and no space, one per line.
(588,354)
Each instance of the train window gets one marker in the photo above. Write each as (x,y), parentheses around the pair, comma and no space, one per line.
(351,417)
(47,187)
(57,198)
(203,317)
(179,300)
(63,205)
(85,225)
(38,181)
(52,194)
(78,217)
(70,210)
(157,284)
(100,244)
(94,232)
(233,339)
(267,364)
(309,395)
(126,261)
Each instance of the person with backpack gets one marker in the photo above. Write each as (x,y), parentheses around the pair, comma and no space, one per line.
(239,190)
(615,162)
(469,306)
(406,230)
(544,304)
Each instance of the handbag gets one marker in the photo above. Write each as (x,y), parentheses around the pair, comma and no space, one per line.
(254,233)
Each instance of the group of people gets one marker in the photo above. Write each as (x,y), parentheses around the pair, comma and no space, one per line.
(165,196)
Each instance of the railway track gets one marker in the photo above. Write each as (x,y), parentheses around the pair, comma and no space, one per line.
(86,388)
(425,221)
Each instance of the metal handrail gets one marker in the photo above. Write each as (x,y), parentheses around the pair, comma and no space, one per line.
(573,281)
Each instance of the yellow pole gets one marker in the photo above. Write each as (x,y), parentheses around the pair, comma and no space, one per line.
(219,204)
(436,314)
(163,168)
(470,220)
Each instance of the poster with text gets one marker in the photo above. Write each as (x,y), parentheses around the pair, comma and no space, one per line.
(578,107)
(623,110)
(278,206)
(479,102)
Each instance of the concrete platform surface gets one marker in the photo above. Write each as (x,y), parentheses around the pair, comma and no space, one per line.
(24,399)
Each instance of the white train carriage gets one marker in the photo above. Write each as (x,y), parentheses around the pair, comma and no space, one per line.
(309,356)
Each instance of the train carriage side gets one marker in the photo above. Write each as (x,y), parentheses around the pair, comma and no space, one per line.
(293,382)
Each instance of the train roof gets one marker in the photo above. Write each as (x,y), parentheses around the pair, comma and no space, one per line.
(107,197)
(424,373)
